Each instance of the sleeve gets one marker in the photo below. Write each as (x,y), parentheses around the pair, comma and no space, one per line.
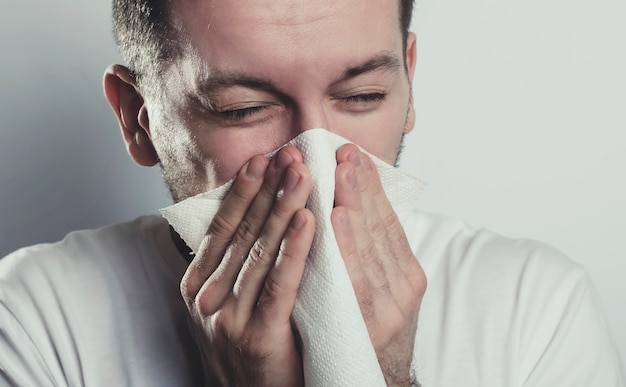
(568,342)
(21,364)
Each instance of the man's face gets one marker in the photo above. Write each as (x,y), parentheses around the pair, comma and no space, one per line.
(260,72)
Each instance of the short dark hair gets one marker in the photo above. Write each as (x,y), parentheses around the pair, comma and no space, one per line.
(406,14)
(148,40)
(144,35)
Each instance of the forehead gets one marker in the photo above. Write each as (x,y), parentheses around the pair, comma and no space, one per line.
(287,12)
(227,31)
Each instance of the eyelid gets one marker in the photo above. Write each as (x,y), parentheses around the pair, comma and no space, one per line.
(241,111)
(239,114)
(360,90)
(363,101)
(243,106)
(365,97)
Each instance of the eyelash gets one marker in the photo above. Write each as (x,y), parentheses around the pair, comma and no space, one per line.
(371,97)
(240,114)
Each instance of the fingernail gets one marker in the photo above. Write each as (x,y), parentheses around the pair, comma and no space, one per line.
(355,158)
(256,168)
(298,221)
(351,177)
(283,160)
(291,179)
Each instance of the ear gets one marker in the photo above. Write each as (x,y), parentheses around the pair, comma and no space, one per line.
(411,54)
(410,114)
(410,60)
(121,91)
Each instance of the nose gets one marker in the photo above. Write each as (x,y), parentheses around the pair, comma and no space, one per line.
(311,115)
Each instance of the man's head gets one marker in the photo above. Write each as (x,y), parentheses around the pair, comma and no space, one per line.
(214,82)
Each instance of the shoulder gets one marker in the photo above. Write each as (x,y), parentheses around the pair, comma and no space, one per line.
(517,302)
(492,273)
(72,260)
(446,244)
(67,306)
(80,245)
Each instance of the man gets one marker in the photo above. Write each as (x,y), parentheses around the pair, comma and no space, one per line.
(213,86)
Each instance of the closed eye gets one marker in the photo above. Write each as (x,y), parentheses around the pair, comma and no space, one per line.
(240,114)
(369,97)
(360,103)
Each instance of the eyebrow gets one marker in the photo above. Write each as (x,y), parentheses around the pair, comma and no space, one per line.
(209,86)
(385,61)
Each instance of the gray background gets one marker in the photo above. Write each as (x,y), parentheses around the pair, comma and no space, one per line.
(521,126)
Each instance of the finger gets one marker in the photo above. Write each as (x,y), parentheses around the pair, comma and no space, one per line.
(245,187)
(219,283)
(349,196)
(250,226)
(395,236)
(351,192)
(383,248)
(278,297)
(357,173)
(291,197)
(344,234)
(403,271)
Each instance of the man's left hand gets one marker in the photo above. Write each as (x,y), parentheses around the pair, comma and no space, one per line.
(388,280)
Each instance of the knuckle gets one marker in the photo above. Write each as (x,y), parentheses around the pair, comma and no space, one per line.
(203,305)
(187,291)
(391,223)
(268,190)
(246,231)
(384,287)
(378,229)
(369,254)
(417,278)
(421,283)
(221,324)
(235,256)
(273,290)
(221,226)
(378,278)
(206,303)
(258,253)
(242,193)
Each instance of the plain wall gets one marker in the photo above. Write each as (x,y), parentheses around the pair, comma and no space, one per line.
(521,126)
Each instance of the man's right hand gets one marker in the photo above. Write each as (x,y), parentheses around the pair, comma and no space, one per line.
(241,287)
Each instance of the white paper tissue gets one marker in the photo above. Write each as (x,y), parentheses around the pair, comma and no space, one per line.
(337,349)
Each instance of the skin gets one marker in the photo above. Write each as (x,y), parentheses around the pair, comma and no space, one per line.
(252,78)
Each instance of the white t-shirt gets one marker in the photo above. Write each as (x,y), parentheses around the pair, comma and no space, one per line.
(103,308)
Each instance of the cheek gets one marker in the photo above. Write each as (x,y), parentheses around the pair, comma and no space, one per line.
(230,149)
(379,132)
(173,144)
